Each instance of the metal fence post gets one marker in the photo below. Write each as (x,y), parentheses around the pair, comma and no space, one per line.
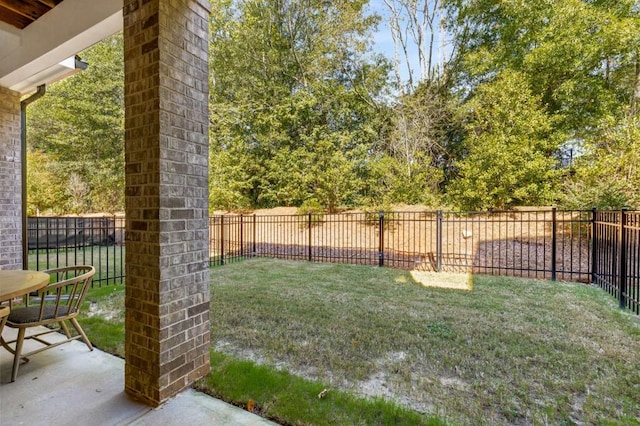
(309,223)
(255,233)
(622,285)
(37,266)
(57,229)
(211,236)
(103,224)
(241,236)
(221,240)
(554,243)
(381,239)
(594,246)
(439,241)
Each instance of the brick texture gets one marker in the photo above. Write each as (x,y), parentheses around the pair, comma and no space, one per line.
(166,151)
(10,181)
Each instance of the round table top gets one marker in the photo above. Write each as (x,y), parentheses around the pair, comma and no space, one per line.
(18,283)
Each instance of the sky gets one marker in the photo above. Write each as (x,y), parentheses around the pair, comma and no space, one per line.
(383,42)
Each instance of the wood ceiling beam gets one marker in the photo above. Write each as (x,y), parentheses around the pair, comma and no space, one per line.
(31,9)
(14,19)
(50,3)
(21,13)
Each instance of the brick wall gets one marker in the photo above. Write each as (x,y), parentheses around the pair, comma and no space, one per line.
(166,202)
(10,181)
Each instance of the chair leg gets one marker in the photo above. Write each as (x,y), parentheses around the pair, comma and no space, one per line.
(4,314)
(16,356)
(79,329)
(64,328)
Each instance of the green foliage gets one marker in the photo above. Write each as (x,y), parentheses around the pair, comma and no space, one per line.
(313,208)
(76,138)
(578,60)
(509,142)
(607,176)
(392,181)
(107,181)
(425,133)
(372,216)
(588,193)
(335,180)
(294,101)
(45,185)
(301,109)
(579,56)
(79,124)
(229,180)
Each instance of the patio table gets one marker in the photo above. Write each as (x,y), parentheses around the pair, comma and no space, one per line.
(18,283)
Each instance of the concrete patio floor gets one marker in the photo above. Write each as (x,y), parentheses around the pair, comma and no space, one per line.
(70,385)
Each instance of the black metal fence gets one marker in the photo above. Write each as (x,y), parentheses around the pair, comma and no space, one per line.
(616,256)
(546,244)
(62,241)
(602,247)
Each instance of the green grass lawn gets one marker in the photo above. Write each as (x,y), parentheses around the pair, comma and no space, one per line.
(108,261)
(102,318)
(511,351)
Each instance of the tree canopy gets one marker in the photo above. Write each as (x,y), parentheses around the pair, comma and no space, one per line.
(295,101)
(76,137)
(304,110)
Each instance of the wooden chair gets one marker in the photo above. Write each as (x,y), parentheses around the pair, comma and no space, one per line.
(56,303)
(4,313)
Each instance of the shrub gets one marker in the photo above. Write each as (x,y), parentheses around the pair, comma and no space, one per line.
(314,208)
(372,215)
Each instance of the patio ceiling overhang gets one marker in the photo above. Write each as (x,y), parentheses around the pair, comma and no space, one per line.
(38,36)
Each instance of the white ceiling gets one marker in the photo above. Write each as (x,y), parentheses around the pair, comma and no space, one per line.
(33,54)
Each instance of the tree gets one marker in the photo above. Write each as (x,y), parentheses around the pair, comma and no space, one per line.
(607,176)
(425,135)
(424,138)
(509,143)
(45,188)
(579,56)
(392,182)
(294,98)
(79,124)
(414,24)
(77,190)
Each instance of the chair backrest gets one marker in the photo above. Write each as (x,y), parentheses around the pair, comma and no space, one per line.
(63,297)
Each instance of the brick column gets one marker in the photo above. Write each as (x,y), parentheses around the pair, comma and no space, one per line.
(10,181)
(166,150)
